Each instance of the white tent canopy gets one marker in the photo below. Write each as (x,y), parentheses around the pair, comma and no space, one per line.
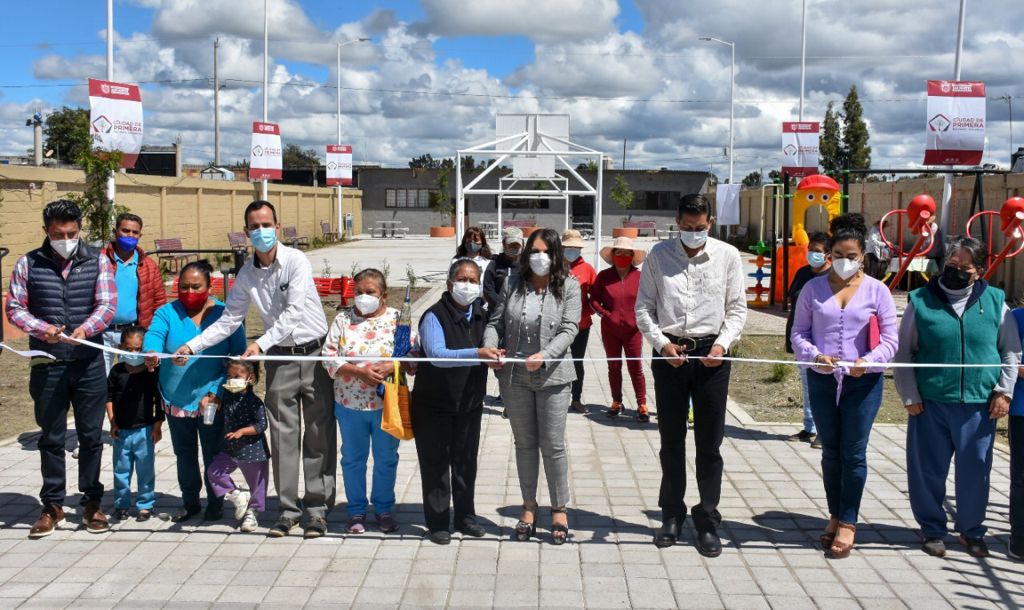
(538,146)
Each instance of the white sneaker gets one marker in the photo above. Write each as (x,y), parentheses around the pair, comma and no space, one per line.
(241,501)
(249,523)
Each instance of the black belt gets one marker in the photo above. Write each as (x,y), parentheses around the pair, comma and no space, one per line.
(117,328)
(298,350)
(692,344)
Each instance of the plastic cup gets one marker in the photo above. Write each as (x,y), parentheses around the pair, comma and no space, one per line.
(209,413)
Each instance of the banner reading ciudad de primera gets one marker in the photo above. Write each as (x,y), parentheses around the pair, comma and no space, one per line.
(265,155)
(956,123)
(339,165)
(800,141)
(115,118)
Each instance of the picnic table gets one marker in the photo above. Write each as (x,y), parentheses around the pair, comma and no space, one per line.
(388,229)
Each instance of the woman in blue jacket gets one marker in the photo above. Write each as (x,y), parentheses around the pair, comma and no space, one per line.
(1016,546)
(188,388)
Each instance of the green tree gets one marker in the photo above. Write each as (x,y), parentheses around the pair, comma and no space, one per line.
(97,210)
(831,145)
(293,157)
(424,162)
(752,179)
(855,132)
(67,133)
(621,194)
(441,200)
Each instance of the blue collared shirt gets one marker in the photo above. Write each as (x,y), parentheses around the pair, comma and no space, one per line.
(432,341)
(126,278)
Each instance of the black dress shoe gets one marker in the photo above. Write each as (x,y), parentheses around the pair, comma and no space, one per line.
(185,514)
(669,533)
(470,527)
(708,543)
(441,537)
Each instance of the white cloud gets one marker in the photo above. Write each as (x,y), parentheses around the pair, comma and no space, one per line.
(550,21)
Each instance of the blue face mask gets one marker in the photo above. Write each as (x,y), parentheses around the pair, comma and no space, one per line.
(816,259)
(571,254)
(127,244)
(134,359)
(263,240)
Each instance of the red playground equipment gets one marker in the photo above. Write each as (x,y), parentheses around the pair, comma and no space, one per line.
(921,219)
(1011,217)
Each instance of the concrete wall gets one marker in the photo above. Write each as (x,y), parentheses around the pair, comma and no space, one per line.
(374,182)
(201,212)
(876,198)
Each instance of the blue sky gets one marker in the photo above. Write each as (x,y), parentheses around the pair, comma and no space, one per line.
(437,71)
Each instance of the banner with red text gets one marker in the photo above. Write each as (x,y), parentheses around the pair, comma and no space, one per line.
(339,165)
(265,155)
(956,123)
(800,148)
(115,118)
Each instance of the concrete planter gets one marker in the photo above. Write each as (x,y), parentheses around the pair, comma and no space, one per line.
(630,232)
(442,231)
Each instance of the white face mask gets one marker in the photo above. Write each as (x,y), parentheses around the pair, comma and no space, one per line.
(235,385)
(845,268)
(540,263)
(465,293)
(367,304)
(693,239)
(64,247)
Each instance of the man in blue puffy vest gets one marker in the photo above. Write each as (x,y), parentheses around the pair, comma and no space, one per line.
(63,294)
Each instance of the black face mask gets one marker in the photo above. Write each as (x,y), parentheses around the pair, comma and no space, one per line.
(955,279)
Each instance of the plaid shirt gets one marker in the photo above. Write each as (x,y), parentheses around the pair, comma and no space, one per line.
(102,314)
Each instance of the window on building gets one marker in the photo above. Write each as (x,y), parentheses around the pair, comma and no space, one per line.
(407,198)
(523,204)
(656,200)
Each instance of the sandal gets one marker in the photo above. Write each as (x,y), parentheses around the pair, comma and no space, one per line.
(559,532)
(827,536)
(841,550)
(526,529)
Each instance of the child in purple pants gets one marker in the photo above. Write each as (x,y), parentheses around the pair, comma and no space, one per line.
(245,446)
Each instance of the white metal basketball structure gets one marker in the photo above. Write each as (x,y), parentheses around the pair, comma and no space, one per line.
(538,145)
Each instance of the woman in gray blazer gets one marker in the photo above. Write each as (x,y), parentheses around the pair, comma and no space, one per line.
(537,320)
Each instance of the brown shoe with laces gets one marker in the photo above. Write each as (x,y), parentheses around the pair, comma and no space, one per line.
(50,519)
(95,520)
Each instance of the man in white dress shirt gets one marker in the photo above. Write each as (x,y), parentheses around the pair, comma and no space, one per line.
(278,280)
(691,308)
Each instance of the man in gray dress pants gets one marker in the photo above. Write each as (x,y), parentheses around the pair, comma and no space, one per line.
(278,280)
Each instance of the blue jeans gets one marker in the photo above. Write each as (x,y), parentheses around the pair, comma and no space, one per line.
(942,432)
(360,430)
(110,339)
(187,433)
(844,426)
(133,451)
(808,414)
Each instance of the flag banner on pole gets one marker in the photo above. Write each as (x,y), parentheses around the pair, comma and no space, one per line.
(727,203)
(800,148)
(265,155)
(115,118)
(956,123)
(339,165)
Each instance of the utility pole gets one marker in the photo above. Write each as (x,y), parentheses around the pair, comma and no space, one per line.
(803,54)
(947,179)
(266,40)
(623,154)
(1009,102)
(216,106)
(111,183)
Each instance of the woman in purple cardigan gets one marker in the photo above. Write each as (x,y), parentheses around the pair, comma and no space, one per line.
(844,316)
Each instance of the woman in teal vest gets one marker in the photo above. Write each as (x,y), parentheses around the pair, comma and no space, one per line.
(958,318)
(1016,426)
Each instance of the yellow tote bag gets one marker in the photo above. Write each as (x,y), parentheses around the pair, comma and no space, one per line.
(396,420)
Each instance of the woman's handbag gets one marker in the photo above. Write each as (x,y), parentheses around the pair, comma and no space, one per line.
(396,420)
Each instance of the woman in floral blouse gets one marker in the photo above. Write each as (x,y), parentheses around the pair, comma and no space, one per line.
(368,330)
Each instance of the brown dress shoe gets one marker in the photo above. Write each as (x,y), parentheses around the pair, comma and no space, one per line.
(95,520)
(51,517)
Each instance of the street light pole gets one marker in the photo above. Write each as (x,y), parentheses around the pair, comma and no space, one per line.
(947,179)
(111,182)
(341,188)
(216,106)
(732,99)
(803,54)
(1009,102)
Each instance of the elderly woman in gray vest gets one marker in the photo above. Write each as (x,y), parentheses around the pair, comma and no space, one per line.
(957,319)
(537,320)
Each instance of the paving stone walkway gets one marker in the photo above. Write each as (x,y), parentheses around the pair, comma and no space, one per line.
(772,501)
